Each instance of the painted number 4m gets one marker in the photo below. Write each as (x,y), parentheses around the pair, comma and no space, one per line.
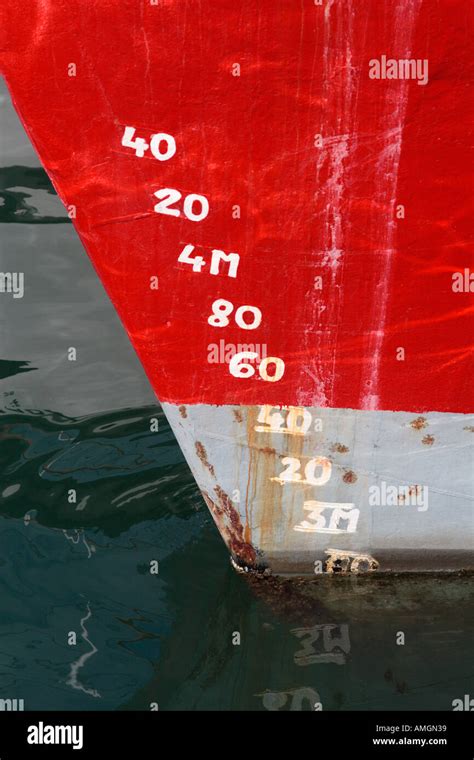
(197,262)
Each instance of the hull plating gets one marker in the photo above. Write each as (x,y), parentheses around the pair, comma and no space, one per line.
(333,490)
(291,176)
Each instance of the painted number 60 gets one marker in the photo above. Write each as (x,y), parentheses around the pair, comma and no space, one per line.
(238,367)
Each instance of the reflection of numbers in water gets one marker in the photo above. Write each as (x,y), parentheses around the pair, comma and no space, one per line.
(327,643)
(294,700)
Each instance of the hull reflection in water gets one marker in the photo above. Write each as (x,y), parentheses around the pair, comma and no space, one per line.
(145,639)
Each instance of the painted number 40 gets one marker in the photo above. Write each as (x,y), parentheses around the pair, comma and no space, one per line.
(161,145)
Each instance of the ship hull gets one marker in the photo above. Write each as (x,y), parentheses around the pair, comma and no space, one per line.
(275,198)
(307,491)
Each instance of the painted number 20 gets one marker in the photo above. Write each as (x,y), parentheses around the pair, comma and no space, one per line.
(195,207)
(292,473)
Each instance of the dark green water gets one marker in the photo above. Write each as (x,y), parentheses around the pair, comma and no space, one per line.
(83,567)
(167,638)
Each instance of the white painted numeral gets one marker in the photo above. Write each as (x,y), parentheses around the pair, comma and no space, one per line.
(292,473)
(254,311)
(270,421)
(221,309)
(342,518)
(140,146)
(167,196)
(298,420)
(342,561)
(237,368)
(186,258)
(232,258)
(217,256)
(309,471)
(169,144)
(189,204)
(278,372)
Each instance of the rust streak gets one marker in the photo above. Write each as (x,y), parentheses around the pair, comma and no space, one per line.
(238,415)
(202,454)
(228,522)
(264,496)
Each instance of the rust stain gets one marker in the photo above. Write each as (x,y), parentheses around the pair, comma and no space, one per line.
(412,491)
(349,476)
(262,494)
(238,415)
(419,423)
(202,454)
(340,448)
(247,534)
(183,411)
(469,428)
(228,522)
(294,599)
(428,440)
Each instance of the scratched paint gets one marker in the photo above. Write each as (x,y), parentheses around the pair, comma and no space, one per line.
(248,164)
(255,181)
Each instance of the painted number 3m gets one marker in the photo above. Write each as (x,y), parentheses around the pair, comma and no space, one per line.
(195,207)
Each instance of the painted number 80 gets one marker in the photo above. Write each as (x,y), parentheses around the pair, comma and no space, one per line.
(222,309)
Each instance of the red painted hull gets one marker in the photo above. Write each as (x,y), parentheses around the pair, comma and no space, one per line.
(245,88)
